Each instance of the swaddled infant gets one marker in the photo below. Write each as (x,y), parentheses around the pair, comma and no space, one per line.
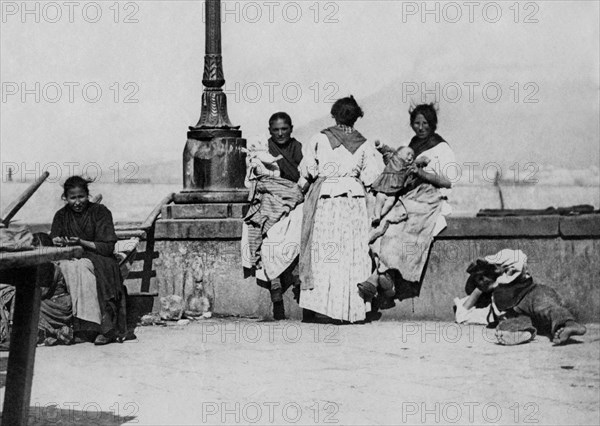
(260,162)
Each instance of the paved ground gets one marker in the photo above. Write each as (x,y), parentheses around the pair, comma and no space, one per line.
(230,371)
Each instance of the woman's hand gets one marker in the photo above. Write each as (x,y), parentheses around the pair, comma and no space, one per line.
(414,169)
(432,178)
(59,241)
(422,161)
(73,241)
(303,184)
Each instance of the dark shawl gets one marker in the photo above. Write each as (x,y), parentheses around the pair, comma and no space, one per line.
(351,141)
(291,151)
(419,146)
(95,224)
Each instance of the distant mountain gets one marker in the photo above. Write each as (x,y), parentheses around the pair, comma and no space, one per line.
(561,128)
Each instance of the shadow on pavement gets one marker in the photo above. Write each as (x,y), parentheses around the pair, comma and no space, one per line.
(89,415)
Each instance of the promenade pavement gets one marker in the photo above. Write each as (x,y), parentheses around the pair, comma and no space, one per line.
(245,371)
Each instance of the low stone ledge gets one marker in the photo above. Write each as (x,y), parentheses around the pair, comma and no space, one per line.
(501,227)
(200,229)
(567,227)
(584,226)
(205,211)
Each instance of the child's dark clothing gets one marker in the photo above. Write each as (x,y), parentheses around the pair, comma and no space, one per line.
(527,306)
(396,176)
(540,310)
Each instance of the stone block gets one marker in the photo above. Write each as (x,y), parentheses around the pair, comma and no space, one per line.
(203,229)
(586,225)
(204,211)
(193,197)
(485,227)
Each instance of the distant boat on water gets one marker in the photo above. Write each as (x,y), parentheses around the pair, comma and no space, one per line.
(135,181)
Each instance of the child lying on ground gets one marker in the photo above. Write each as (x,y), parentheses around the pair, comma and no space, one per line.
(525,307)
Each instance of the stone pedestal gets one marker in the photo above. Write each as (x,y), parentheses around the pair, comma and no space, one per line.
(213,162)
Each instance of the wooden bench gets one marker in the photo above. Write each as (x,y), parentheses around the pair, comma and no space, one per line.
(130,237)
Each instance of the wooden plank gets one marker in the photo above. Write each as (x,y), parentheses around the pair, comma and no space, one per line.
(142,256)
(156,211)
(136,275)
(124,234)
(25,325)
(142,294)
(147,272)
(25,259)
(16,205)
(23,340)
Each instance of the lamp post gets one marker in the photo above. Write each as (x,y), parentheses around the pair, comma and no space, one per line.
(213,163)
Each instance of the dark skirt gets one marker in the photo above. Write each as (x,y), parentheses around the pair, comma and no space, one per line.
(389,183)
(111,296)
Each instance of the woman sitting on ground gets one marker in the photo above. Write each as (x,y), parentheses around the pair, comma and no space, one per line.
(94,281)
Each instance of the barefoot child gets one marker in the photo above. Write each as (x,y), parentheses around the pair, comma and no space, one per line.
(525,306)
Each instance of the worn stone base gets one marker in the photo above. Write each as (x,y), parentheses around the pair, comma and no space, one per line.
(572,267)
(220,264)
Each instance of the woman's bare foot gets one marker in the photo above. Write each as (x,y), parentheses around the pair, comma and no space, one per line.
(571,328)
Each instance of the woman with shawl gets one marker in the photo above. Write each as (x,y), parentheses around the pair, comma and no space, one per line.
(271,230)
(334,254)
(94,281)
(401,253)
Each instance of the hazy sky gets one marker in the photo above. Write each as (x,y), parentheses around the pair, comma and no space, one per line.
(516,83)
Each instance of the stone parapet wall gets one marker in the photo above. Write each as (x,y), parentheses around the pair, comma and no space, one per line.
(563,252)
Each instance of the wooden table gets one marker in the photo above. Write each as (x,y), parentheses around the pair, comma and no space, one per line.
(21,269)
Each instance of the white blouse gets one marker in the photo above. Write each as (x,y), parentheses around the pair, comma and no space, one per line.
(345,173)
(442,163)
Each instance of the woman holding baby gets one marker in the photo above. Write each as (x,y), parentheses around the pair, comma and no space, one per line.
(271,230)
(401,250)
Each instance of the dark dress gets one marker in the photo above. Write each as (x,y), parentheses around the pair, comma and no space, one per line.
(394,177)
(95,224)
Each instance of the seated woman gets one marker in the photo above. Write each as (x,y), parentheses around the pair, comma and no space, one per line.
(401,253)
(94,281)
(271,231)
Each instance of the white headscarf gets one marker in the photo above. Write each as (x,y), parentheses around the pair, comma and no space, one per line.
(513,261)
